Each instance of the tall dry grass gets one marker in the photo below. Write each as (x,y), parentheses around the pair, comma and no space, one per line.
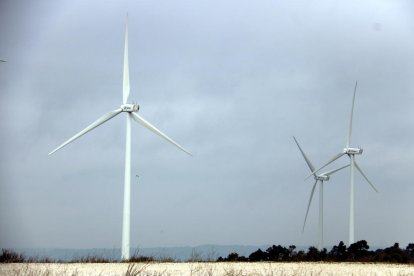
(205,269)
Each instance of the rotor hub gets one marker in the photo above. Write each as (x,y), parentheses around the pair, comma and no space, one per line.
(130,107)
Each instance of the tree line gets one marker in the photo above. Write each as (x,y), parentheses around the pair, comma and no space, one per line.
(356,252)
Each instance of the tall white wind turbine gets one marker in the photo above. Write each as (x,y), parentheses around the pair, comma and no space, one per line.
(318,178)
(131,111)
(351,152)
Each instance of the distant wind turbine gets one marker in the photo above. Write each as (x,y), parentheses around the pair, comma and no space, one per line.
(131,111)
(351,152)
(318,178)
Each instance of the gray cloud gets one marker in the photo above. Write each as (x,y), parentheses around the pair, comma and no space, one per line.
(230,81)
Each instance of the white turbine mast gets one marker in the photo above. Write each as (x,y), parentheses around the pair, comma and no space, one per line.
(131,111)
(351,152)
(318,178)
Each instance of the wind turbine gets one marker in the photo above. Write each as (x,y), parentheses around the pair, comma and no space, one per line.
(351,152)
(318,178)
(131,111)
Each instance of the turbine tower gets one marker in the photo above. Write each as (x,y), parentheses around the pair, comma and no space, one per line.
(131,111)
(318,178)
(351,152)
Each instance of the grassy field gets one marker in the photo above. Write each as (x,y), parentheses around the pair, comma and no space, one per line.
(204,269)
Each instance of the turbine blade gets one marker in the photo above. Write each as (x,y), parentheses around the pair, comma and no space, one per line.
(309,203)
(348,141)
(366,178)
(326,164)
(125,88)
(146,124)
(311,167)
(95,124)
(328,173)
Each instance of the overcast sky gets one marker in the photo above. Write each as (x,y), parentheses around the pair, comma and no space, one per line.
(232,81)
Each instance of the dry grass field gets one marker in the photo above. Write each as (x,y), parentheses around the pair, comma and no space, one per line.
(204,269)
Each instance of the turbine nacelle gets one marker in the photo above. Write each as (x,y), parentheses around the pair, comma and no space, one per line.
(353,151)
(322,177)
(129,107)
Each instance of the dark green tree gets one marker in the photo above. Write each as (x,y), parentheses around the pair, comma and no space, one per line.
(299,256)
(258,256)
(292,251)
(394,254)
(233,257)
(313,254)
(358,251)
(278,253)
(338,252)
(409,252)
(9,256)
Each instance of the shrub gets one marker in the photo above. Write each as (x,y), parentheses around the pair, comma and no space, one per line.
(9,256)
